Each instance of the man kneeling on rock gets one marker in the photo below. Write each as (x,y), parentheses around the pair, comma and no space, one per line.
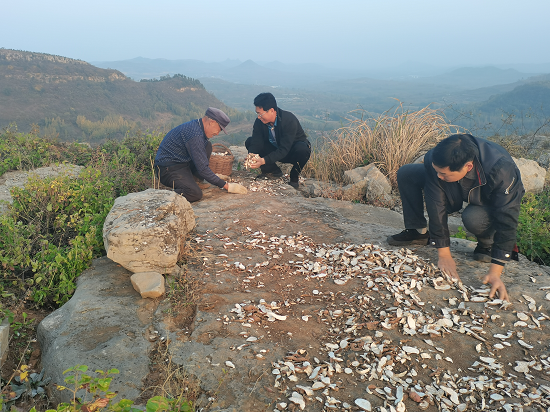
(463,168)
(183,155)
(277,136)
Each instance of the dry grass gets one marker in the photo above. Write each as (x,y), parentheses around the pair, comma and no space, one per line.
(389,141)
(168,379)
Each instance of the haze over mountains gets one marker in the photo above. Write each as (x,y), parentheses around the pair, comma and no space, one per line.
(330,94)
(77,100)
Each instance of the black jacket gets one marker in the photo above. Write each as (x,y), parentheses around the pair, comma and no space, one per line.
(499,186)
(287,131)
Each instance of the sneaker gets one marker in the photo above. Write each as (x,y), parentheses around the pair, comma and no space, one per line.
(409,237)
(295,185)
(482,254)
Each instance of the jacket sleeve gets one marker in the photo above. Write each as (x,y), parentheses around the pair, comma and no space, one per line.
(506,195)
(436,206)
(195,148)
(288,132)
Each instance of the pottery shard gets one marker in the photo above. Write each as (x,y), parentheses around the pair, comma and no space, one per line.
(146,231)
(148,284)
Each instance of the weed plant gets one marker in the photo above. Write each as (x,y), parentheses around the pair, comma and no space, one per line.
(53,229)
(389,141)
(533,236)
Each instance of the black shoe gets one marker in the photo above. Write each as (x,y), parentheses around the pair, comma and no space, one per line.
(295,185)
(409,237)
(482,254)
(277,174)
(262,176)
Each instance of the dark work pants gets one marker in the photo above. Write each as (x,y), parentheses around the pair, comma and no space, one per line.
(181,178)
(297,156)
(411,179)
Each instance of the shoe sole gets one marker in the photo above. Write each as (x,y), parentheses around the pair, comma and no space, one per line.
(480,257)
(419,242)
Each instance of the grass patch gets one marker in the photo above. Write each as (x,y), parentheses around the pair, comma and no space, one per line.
(389,141)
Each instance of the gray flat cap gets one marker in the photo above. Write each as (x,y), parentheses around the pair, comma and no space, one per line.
(218,116)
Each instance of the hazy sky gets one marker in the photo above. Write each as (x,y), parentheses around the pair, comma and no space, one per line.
(345,33)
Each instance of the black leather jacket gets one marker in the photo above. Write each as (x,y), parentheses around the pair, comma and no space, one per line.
(499,186)
(287,131)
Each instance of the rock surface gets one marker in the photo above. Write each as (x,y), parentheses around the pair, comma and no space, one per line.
(367,182)
(4,340)
(104,326)
(148,284)
(99,329)
(532,175)
(146,231)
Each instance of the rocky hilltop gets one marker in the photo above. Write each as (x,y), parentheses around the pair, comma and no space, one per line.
(74,100)
(299,304)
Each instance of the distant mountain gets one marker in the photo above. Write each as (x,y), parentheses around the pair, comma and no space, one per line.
(248,72)
(476,77)
(522,110)
(144,68)
(73,99)
(533,97)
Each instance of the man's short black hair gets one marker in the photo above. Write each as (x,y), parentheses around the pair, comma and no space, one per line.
(454,151)
(266,101)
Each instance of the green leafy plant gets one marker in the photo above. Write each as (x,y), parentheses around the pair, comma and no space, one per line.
(533,236)
(28,384)
(461,234)
(95,395)
(51,234)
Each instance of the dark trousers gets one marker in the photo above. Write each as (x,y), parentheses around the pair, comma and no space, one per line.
(297,156)
(411,179)
(182,178)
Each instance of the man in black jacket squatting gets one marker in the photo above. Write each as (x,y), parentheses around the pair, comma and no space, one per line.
(463,168)
(277,136)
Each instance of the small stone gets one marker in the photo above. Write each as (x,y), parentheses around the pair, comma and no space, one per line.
(148,284)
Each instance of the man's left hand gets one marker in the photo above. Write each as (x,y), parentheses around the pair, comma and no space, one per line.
(497,285)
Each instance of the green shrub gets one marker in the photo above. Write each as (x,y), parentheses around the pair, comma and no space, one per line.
(534,227)
(52,232)
(23,151)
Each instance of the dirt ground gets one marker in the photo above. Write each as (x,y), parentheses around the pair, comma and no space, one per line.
(256,247)
(298,303)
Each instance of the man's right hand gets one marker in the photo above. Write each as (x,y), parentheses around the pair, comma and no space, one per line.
(236,188)
(446,263)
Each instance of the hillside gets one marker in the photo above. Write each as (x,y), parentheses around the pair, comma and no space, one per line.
(522,110)
(76,100)
(476,77)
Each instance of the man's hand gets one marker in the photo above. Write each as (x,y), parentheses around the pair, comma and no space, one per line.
(446,263)
(257,162)
(236,188)
(497,285)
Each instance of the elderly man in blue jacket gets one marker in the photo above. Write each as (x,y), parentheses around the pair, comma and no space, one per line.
(463,168)
(183,156)
(277,136)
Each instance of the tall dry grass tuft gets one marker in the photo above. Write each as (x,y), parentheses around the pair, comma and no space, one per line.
(389,141)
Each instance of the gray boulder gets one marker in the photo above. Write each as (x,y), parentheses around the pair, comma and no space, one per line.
(532,175)
(104,326)
(369,182)
(146,231)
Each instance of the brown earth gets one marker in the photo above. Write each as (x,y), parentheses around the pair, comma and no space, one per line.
(228,226)
(274,231)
